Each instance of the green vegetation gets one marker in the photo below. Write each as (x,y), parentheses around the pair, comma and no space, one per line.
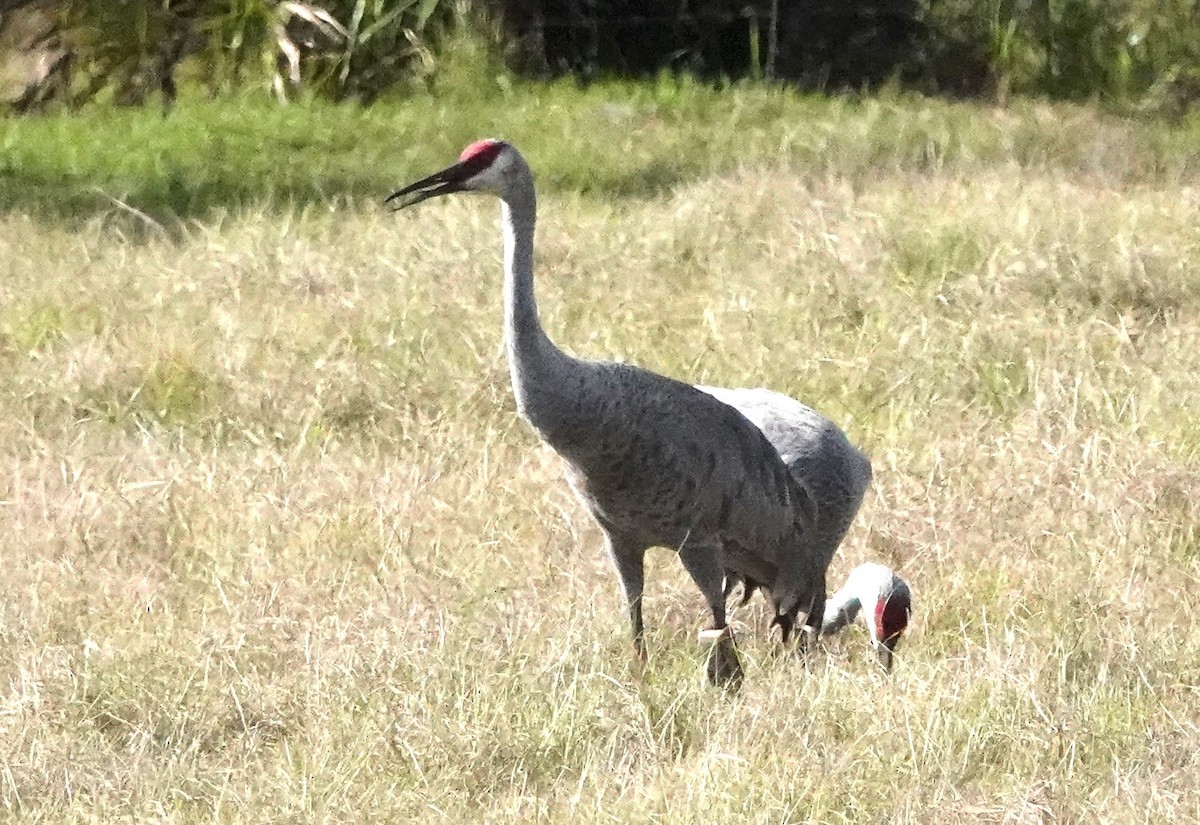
(1116,51)
(1143,53)
(610,139)
(277,548)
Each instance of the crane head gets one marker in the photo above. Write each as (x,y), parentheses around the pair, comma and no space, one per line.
(877,594)
(483,166)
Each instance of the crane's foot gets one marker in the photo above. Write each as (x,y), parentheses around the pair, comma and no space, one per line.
(723,666)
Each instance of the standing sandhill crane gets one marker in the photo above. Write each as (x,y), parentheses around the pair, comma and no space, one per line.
(820,458)
(656,461)
(884,601)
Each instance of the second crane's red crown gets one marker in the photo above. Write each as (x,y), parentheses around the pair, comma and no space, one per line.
(891,614)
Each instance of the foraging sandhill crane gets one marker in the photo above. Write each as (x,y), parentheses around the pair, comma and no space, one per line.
(819,457)
(656,461)
(881,597)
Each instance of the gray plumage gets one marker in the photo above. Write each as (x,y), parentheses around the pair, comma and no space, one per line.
(818,455)
(655,460)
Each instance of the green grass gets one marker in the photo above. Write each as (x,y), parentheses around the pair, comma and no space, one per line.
(610,140)
(277,548)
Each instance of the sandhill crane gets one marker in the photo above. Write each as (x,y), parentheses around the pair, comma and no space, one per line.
(882,598)
(656,461)
(820,458)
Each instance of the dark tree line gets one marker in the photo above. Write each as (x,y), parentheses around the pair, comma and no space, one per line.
(1124,50)
(826,43)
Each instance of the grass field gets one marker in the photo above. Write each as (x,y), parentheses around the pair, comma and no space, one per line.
(277,549)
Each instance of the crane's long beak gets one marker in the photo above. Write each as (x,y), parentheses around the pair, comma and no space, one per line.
(885,650)
(444,182)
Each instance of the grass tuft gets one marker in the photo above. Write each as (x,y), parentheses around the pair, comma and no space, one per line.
(172,392)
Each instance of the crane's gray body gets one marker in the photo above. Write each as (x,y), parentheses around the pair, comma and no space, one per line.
(660,464)
(818,455)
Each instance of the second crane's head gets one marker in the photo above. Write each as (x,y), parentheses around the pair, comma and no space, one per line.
(887,612)
(881,598)
(486,165)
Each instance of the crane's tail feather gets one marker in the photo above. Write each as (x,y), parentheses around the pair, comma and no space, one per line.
(785,620)
(749,587)
(748,590)
(786,623)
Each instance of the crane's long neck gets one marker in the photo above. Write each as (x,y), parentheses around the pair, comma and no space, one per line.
(534,363)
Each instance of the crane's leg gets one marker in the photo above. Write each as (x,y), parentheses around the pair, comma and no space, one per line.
(813,620)
(703,564)
(629,559)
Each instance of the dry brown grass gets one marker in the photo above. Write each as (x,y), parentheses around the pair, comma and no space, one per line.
(277,549)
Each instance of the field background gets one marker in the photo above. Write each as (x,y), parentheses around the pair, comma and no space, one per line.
(277,549)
